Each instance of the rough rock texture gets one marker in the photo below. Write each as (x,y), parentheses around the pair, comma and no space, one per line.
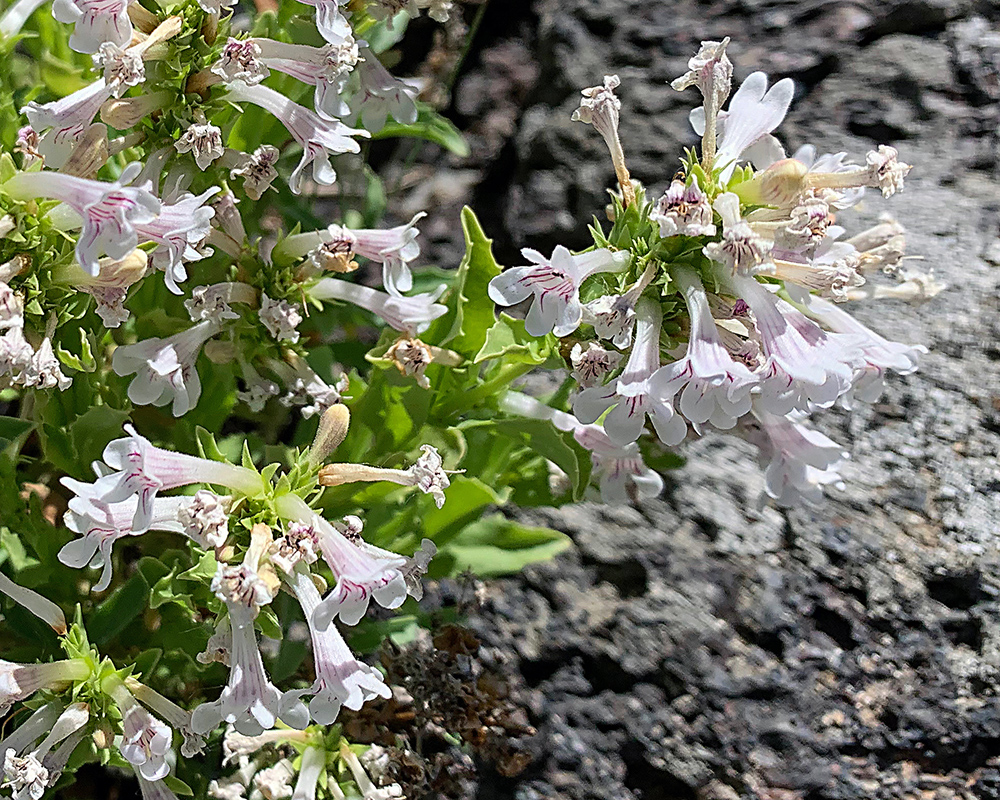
(694,648)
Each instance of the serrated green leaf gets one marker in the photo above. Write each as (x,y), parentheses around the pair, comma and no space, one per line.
(207,447)
(471,310)
(508,338)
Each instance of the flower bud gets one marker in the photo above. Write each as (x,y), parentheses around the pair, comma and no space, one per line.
(333,425)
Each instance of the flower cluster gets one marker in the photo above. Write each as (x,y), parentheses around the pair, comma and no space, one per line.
(719,303)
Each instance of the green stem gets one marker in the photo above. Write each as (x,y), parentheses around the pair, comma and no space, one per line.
(491,387)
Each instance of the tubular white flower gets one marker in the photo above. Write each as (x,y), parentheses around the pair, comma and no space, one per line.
(141,469)
(555,284)
(165,369)
(173,714)
(300,544)
(330,20)
(15,356)
(741,249)
(178,229)
(683,211)
(101,525)
(63,122)
(368,789)
(622,474)
(381,95)
(832,273)
(712,72)
(877,353)
(360,574)
(411,315)
(203,141)
(44,371)
(27,775)
(109,287)
(249,702)
(212,302)
(805,365)
(712,386)
(20,681)
(631,394)
(257,170)
(95,22)
(394,248)
(205,518)
(110,212)
(145,739)
(744,131)
(307,389)
(258,390)
(800,460)
(240,61)
(427,473)
(274,783)
(592,364)
(217,647)
(340,678)
(885,170)
(280,318)
(327,68)
(43,608)
(318,138)
(13,20)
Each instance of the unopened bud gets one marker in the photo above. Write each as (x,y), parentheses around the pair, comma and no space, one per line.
(333,425)
(89,154)
(127,112)
(145,21)
(103,735)
(780,184)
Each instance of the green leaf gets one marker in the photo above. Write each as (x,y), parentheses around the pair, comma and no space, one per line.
(508,338)
(473,310)
(12,428)
(498,546)
(12,550)
(124,604)
(430,126)
(207,447)
(557,446)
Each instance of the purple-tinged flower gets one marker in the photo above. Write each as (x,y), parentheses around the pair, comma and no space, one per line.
(877,353)
(741,249)
(341,680)
(744,130)
(683,211)
(281,319)
(175,716)
(95,22)
(139,468)
(394,248)
(592,364)
(62,122)
(330,20)
(711,71)
(257,170)
(122,67)
(165,369)
(631,394)
(361,573)
(249,702)
(205,518)
(833,272)
(805,366)
(240,61)
(178,230)
(327,68)
(318,138)
(101,525)
(613,315)
(622,474)
(306,388)
(412,314)
(20,681)
(110,211)
(555,284)
(712,386)
(109,287)
(146,740)
(204,141)
(800,460)
(381,95)
(29,775)
(885,170)
(212,302)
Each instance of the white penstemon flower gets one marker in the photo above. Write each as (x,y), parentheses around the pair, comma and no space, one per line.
(318,138)
(412,314)
(555,285)
(280,318)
